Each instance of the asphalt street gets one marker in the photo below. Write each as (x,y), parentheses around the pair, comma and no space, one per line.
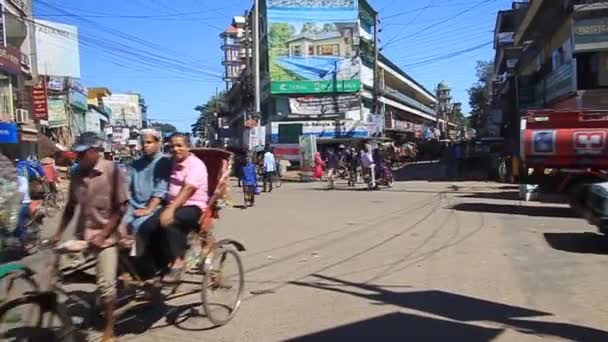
(424,261)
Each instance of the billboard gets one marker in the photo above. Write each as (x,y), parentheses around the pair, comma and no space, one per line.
(125,109)
(57,49)
(313,46)
(58,116)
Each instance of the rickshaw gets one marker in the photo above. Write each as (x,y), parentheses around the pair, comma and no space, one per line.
(51,319)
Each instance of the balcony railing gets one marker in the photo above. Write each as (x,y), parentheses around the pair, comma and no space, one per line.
(399,96)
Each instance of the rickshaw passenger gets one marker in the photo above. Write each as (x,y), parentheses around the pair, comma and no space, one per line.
(148,185)
(187,199)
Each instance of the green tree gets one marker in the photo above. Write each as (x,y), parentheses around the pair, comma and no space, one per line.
(206,121)
(164,128)
(329,28)
(279,34)
(479,99)
(310,28)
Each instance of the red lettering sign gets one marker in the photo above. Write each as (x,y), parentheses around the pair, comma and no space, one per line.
(39,99)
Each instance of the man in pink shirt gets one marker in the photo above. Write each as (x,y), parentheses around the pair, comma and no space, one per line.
(187,199)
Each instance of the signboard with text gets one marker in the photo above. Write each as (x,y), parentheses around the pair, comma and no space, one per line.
(58,116)
(341,105)
(10,60)
(590,34)
(39,99)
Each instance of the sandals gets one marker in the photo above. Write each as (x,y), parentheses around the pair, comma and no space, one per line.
(174,276)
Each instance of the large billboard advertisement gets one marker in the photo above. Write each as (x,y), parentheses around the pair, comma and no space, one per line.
(313,46)
(57,49)
(125,109)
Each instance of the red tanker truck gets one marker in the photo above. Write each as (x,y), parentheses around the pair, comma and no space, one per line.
(573,145)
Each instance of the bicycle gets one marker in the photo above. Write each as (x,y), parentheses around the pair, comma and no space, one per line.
(211,262)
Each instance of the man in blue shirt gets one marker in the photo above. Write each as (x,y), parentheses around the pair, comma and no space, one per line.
(148,185)
(270,167)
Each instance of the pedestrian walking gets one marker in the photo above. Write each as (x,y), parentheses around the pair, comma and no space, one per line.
(332,166)
(319,165)
(250,182)
(270,167)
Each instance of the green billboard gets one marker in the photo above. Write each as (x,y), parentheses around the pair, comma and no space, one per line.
(313,46)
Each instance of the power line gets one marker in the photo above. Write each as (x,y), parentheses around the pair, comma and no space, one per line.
(449,55)
(443,21)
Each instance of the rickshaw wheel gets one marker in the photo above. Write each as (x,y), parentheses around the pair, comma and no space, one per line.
(223,285)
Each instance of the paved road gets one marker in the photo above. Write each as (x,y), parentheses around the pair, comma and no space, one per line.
(425,261)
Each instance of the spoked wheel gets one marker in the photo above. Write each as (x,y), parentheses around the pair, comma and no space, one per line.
(15,284)
(223,285)
(36,318)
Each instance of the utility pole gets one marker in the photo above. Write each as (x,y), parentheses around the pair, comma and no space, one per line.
(256,60)
(376,92)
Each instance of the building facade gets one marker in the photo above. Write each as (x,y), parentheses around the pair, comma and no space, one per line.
(549,55)
(17,75)
(317,66)
(236,49)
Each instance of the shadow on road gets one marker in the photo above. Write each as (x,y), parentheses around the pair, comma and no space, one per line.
(403,327)
(535,211)
(447,305)
(582,243)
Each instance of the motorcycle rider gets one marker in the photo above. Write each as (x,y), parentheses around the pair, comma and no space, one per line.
(368,165)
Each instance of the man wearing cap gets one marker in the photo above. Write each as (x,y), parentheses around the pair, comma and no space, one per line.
(148,184)
(98,188)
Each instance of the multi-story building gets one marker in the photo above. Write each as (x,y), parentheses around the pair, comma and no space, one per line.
(17,73)
(555,59)
(317,68)
(236,48)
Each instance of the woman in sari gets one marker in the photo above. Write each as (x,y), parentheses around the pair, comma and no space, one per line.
(319,164)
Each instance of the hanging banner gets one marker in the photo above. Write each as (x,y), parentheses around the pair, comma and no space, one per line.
(308,148)
(58,116)
(313,46)
(39,99)
(342,105)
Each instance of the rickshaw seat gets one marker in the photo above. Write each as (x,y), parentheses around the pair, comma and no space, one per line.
(219,164)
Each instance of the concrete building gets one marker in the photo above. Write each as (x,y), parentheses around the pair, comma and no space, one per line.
(317,78)
(17,75)
(236,49)
(551,55)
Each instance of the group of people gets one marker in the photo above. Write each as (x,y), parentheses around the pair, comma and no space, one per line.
(163,201)
(366,161)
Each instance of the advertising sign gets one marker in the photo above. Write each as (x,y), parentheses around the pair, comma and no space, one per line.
(55,83)
(590,34)
(560,81)
(10,60)
(343,105)
(326,129)
(39,99)
(57,49)
(8,133)
(589,142)
(125,109)
(58,116)
(78,100)
(313,46)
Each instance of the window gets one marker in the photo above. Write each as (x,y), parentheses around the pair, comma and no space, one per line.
(296,50)
(311,50)
(329,50)
(2,25)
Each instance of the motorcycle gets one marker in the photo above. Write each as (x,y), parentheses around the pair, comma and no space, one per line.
(383,176)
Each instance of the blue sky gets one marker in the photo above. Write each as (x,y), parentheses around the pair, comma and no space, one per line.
(181,44)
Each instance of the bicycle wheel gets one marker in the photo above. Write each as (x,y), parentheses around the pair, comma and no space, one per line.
(36,317)
(15,284)
(223,285)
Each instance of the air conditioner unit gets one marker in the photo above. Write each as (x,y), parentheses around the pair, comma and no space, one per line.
(22,116)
